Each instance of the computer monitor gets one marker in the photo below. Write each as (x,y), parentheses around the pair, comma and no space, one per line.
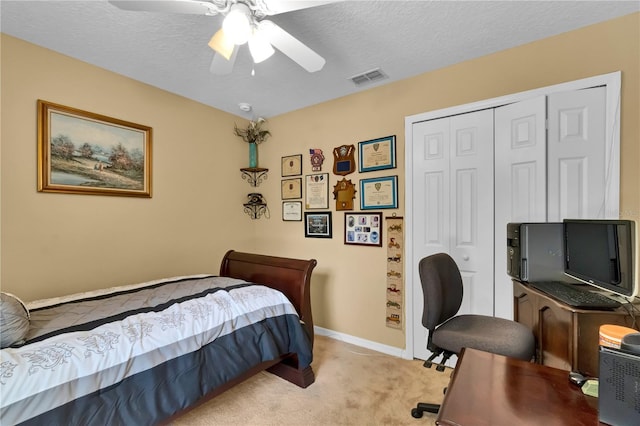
(601,253)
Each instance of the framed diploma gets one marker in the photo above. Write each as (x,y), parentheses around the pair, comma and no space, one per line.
(379,193)
(292,165)
(317,225)
(291,188)
(317,191)
(292,211)
(364,229)
(377,154)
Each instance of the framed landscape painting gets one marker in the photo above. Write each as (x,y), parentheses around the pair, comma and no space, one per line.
(80,152)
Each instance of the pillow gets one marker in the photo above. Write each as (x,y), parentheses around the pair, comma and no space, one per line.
(14,320)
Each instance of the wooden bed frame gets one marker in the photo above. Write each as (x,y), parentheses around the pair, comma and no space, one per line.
(290,276)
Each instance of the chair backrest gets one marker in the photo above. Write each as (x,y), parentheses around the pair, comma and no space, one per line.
(441,289)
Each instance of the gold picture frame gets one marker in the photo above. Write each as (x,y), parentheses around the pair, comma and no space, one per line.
(291,165)
(81,152)
(290,189)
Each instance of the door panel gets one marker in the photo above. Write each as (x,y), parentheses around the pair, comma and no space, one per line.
(434,223)
(431,195)
(577,157)
(520,182)
(453,206)
(471,168)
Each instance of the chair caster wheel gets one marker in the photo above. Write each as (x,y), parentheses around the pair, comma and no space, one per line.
(415,413)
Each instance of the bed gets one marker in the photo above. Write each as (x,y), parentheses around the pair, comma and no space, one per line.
(146,353)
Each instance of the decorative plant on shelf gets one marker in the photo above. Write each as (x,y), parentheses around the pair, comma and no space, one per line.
(253,134)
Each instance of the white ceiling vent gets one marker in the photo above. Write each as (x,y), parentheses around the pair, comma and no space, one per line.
(367,77)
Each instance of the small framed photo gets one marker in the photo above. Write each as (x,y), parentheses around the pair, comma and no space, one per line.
(317,225)
(317,191)
(363,229)
(291,188)
(292,211)
(292,165)
(377,154)
(379,193)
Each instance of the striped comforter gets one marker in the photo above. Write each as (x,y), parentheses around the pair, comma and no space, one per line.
(138,354)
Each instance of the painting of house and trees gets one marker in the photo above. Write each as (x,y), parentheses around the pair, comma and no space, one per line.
(83,152)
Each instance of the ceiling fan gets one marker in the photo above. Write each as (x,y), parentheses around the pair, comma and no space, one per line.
(244,22)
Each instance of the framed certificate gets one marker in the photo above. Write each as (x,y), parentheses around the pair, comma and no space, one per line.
(317,191)
(364,229)
(379,193)
(377,154)
(292,165)
(292,211)
(291,188)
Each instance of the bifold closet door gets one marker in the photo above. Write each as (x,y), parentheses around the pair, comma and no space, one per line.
(520,182)
(577,156)
(453,206)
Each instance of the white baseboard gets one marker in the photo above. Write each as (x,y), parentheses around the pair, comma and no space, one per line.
(374,346)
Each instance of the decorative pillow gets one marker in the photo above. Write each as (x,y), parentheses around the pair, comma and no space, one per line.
(14,320)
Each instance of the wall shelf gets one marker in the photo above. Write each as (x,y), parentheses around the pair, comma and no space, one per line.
(254,175)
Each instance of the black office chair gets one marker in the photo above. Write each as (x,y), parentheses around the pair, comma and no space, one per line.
(442,292)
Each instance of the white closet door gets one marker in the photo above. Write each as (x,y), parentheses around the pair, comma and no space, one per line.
(577,156)
(472,205)
(430,209)
(452,204)
(520,182)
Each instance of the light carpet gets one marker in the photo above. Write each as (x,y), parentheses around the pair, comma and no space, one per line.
(354,386)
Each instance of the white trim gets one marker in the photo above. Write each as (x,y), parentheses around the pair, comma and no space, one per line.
(363,343)
(611,81)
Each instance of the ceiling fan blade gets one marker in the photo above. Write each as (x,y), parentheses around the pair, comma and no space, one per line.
(222,66)
(292,47)
(281,6)
(188,7)
(221,44)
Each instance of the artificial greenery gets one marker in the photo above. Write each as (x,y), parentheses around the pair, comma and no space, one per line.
(254,132)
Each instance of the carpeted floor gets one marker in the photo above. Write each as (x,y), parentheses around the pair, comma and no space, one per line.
(354,386)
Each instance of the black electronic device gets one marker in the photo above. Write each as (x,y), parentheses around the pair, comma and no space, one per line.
(600,252)
(575,296)
(618,384)
(535,251)
(577,378)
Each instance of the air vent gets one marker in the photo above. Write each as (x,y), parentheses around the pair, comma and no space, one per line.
(368,77)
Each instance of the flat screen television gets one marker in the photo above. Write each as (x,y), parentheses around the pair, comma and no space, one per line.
(601,253)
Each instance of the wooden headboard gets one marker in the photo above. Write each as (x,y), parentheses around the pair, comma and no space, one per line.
(290,276)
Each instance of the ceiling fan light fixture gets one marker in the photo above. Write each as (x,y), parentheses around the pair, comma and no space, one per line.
(259,46)
(222,44)
(237,24)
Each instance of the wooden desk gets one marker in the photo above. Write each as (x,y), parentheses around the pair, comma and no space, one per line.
(493,390)
(566,337)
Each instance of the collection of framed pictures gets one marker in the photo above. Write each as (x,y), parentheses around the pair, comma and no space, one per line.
(360,228)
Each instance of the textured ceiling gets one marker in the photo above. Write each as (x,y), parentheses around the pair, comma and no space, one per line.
(403,38)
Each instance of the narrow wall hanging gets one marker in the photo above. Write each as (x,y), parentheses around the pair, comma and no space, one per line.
(395,272)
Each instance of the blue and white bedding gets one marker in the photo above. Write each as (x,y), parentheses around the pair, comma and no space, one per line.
(138,354)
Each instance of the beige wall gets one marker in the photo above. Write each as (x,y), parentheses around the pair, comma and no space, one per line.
(54,244)
(46,237)
(348,290)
